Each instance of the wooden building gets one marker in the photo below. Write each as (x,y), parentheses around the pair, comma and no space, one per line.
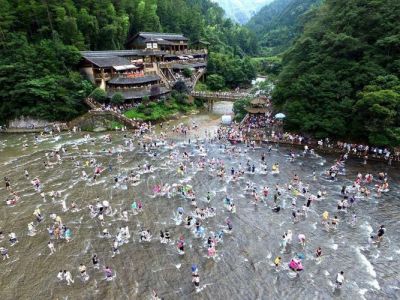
(135,88)
(158,41)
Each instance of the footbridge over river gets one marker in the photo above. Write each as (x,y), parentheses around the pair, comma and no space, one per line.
(212,97)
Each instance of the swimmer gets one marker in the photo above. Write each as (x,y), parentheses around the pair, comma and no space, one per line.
(31,229)
(181,245)
(335,222)
(8,184)
(325,217)
(154,296)
(115,249)
(4,253)
(108,273)
(208,197)
(68,277)
(60,275)
(211,251)
(68,234)
(13,238)
(196,279)
(283,242)
(167,236)
(289,236)
(51,247)
(339,279)
(277,262)
(124,216)
(106,234)
(95,262)
(302,240)
(381,232)
(82,271)
(162,237)
(229,224)
(318,252)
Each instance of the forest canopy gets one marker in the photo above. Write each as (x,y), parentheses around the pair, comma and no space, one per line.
(341,78)
(279,24)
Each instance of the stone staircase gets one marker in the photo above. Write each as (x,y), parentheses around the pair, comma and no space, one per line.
(198,75)
(160,73)
(93,104)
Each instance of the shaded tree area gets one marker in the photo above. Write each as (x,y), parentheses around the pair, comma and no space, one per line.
(37,80)
(235,71)
(341,78)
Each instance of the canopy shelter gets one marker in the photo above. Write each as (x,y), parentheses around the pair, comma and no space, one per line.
(280,116)
(226,119)
(259,102)
(254,110)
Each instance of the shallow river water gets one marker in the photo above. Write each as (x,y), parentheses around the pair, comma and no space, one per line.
(243,267)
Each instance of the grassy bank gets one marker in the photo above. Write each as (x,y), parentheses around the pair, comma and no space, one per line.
(158,111)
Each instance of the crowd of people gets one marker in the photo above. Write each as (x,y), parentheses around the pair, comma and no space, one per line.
(191,215)
(260,128)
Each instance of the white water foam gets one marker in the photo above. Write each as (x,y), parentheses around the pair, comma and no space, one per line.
(369,268)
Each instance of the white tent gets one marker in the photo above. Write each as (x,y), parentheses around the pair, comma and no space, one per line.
(280,116)
(226,120)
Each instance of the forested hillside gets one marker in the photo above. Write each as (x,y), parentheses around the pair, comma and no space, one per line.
(40,39)
(278,24)
(241,11)
(341,78)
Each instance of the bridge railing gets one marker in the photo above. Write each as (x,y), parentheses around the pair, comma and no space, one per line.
(220,95)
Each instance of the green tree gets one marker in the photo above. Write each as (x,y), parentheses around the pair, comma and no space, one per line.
(239,109)
(338,78)
(377,111)
(181,87)
(215,82)
(99,95)
(187,72)
(117,98)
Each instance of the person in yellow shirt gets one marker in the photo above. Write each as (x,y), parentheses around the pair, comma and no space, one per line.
(325,217)
(277,261)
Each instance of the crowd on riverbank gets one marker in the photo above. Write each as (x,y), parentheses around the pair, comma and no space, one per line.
(239,133)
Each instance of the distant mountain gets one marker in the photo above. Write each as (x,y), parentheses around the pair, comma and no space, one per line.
(241,10)
(279,23)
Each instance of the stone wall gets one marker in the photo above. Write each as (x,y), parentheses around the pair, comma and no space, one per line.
(27,122)
(93,122)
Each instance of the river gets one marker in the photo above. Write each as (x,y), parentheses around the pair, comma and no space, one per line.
(243,267)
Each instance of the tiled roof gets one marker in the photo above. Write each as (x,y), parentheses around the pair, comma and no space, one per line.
(163,36)
(120,53)
(133,80)
(107,61)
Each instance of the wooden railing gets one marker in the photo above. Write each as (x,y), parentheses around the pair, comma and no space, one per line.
(198,75)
